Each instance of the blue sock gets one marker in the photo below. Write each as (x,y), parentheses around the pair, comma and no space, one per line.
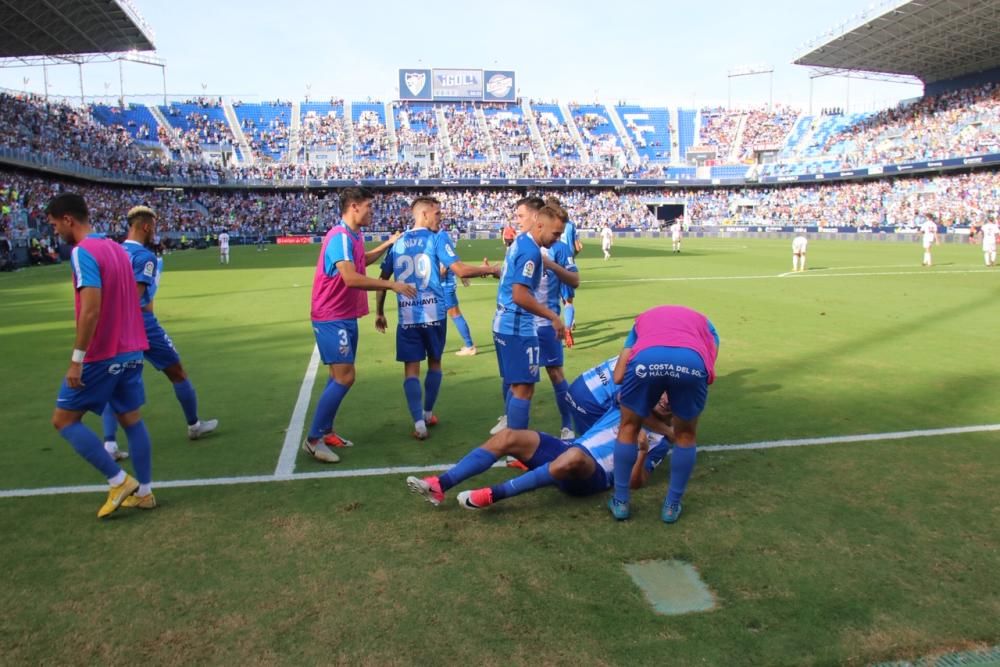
(518,412)
(411,387)
(529,481)
(570,312)
(141,451)
(681,464)
(565,411)
(432,385)
(326,409)
(477,461)
(89,446)
(110,423)
(463,329)
(625,455)
(188,399)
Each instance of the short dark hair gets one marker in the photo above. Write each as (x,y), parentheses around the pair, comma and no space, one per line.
(553,200)
(68,204)
(534,203)
(350,196)
(424,200)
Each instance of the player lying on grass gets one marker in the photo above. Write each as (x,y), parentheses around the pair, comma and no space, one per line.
(580,468)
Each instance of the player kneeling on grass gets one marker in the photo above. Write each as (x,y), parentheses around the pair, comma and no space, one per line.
(580,468)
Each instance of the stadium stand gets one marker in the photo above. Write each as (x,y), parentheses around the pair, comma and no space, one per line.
(556,135)
(370,138)
(322,125)
(597,131)
(650,130)
(266,127)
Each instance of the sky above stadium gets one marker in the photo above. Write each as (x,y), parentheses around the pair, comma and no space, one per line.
(664,52)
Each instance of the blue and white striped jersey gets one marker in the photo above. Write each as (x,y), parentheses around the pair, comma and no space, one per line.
(601,383)
(569,237)
(416,258)
(522,266)
(549,287)
(600,439)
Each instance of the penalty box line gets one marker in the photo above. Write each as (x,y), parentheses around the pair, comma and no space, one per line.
(402,470)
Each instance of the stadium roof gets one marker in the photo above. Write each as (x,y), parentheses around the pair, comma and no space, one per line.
(67,28)
(932,40)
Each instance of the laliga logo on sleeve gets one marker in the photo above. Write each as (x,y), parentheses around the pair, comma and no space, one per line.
(499,85)
(415,81)
(529,269)
(640,371)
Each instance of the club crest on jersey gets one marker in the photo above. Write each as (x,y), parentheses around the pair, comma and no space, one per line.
(415,81)
(529,269)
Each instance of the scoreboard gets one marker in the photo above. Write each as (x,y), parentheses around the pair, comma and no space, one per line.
(457,85)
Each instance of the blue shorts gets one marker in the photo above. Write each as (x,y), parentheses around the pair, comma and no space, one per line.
(417,342)
(678,371)
(450,298)
(337,340)
(549,449)
(567,292)
(517,357)
(586,409)
(117,381)
(549,347)
(161,353)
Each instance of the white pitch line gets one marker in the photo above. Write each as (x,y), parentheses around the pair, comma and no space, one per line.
(771,276)
(400,470)
(293,434)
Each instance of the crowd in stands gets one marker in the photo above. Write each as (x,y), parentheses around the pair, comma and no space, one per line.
(54,131)
(766,129)
(960,123)
(946,199)
(556,136)
(266,138)
(204,131)
(509,132)
(370,139)
(425,139)
(718,128)
(322,131)
(468,141)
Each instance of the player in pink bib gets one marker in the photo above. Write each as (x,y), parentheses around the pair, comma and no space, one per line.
(106,364)
(670,349)
(338,299)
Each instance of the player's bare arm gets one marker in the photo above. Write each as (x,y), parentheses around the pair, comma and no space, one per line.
(523,297)
(90,312)
(566,277)
(381,324)
(464,271)
(619,374)
(358,281)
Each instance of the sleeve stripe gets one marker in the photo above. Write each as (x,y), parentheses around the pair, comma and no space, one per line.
(75,260)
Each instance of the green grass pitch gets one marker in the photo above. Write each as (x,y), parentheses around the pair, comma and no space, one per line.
(847,553)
